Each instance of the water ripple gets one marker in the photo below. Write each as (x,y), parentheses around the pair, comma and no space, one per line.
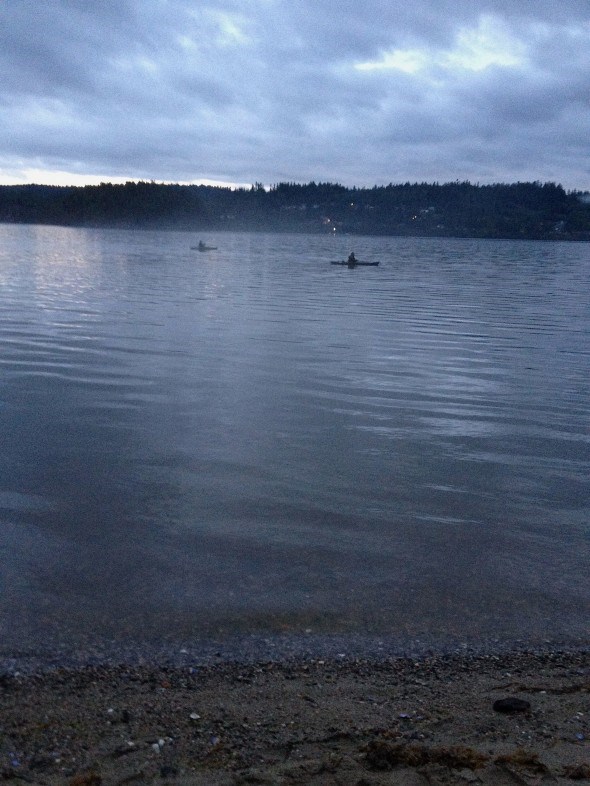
(403,448)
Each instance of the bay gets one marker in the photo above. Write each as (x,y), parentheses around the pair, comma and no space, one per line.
(251,441)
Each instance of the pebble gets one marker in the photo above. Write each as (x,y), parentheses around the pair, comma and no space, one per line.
(511,704)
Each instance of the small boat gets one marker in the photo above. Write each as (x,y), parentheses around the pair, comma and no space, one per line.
(354,264)
(203,247)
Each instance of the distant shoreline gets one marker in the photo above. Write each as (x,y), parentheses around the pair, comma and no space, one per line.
(511,211)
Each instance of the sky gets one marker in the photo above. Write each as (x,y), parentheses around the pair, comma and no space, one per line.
(234,92)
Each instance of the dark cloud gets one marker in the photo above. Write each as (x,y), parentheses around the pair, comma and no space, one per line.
(270,90)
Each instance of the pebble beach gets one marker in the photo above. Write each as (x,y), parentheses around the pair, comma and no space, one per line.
(511,718)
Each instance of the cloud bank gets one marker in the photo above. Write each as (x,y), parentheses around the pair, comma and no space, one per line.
(237,91)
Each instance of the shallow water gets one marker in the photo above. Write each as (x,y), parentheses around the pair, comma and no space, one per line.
(252,441)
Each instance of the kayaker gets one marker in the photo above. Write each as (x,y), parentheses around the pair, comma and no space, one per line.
(351,259)
(201,245)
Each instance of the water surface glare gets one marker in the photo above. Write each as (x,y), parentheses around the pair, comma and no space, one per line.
(251,440)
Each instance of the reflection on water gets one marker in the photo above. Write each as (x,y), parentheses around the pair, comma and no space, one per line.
(253,439)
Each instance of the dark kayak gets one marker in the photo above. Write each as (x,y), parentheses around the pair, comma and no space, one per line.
(355,264)
(203,248)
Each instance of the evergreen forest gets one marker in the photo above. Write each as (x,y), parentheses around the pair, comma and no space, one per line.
(459,209)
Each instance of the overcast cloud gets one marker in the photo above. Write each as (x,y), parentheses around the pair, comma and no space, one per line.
(238,91)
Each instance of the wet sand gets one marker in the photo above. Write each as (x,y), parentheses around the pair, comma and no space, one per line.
(343,721)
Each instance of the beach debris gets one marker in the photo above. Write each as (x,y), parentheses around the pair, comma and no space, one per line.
(523,759)
(382,755)
(511,705)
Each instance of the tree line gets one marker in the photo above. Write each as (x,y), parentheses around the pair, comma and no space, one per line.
(459,209)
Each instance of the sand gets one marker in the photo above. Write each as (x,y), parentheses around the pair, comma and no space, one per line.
(344,721)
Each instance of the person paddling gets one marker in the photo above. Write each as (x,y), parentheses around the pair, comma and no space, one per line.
(351,259)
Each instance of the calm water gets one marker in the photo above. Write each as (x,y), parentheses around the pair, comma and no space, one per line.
(252,440)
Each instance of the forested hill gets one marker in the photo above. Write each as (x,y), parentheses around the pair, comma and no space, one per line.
(519,210)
